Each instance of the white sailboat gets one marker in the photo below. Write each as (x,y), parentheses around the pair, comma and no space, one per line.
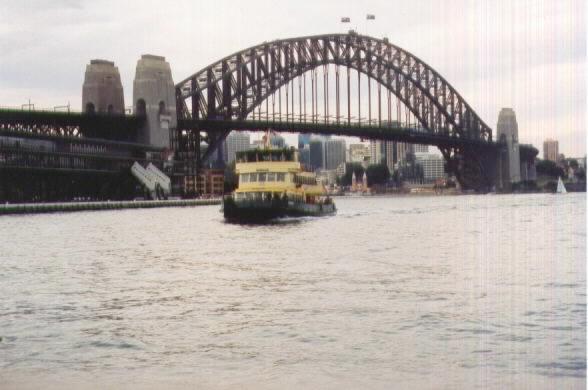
(561,189)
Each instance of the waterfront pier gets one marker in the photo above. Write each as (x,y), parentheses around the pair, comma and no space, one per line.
(28,208)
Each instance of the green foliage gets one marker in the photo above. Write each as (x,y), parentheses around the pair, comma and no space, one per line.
(412,172)
(349,169)
(377,174)
(549,168)
(282,154)
(573,163)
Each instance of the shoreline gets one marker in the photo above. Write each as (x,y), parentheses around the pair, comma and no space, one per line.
(37,208)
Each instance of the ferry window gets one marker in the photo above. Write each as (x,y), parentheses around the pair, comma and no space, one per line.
(262,177)
(281,177)
(271,176)
(245,178)
(252,177)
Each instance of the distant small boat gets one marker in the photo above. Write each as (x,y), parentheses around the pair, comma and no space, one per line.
(561,189)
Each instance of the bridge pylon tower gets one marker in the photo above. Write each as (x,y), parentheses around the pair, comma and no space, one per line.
(154,97)
(102,91)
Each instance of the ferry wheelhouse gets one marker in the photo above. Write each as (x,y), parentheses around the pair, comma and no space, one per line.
(272,184)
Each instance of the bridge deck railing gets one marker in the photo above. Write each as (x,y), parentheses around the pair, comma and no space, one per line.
(393,131)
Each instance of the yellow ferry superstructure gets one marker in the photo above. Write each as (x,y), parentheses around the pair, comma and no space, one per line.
(272,184)
(277,178)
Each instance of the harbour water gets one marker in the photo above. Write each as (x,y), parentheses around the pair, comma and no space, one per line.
(400,292)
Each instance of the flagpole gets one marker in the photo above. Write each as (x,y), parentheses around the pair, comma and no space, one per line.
(344,20)
(368,17)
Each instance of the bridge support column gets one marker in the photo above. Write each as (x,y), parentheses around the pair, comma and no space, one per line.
(507,134)
(187,160)
(503,183)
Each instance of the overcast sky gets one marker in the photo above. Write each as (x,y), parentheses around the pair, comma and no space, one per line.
(528,55)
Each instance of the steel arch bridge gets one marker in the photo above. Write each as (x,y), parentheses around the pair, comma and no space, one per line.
(314,85)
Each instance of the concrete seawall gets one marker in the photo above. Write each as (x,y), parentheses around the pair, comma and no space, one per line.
(27,208)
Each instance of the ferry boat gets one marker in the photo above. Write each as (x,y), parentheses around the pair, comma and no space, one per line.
(272,184)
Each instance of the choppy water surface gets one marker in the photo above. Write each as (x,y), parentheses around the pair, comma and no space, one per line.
(415,292)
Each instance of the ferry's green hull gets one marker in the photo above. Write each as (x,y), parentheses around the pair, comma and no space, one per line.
(259,211)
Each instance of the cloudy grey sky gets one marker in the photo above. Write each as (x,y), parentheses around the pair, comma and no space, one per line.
(525,54)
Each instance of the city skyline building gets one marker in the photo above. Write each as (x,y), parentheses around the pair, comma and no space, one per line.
(389,147)
(418,148)
(551,150)
(377,151)
(402,149)
(326,153)
(303,140)
(277,141)
(433,166)
(390,153)
(304,156)
(317,154)
(334,153)
(358,153)
(237,142)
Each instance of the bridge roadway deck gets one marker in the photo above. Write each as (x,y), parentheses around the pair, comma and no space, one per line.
(73,124)
(400,134)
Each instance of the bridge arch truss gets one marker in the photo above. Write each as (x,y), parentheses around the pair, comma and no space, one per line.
(233,87)
(236,87)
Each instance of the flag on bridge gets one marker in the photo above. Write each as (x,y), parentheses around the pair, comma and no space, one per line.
(371,17)
(345,20)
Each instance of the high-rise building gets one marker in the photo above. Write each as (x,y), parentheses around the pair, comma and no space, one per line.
(402,149)
(551,150)
(334,153)
(237,142)
(421,148)
(317,154)
(433,166)
(377,152)
(304,156)
(358,153)
(390,154)
(507,131)
(303,140)
(277,141)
